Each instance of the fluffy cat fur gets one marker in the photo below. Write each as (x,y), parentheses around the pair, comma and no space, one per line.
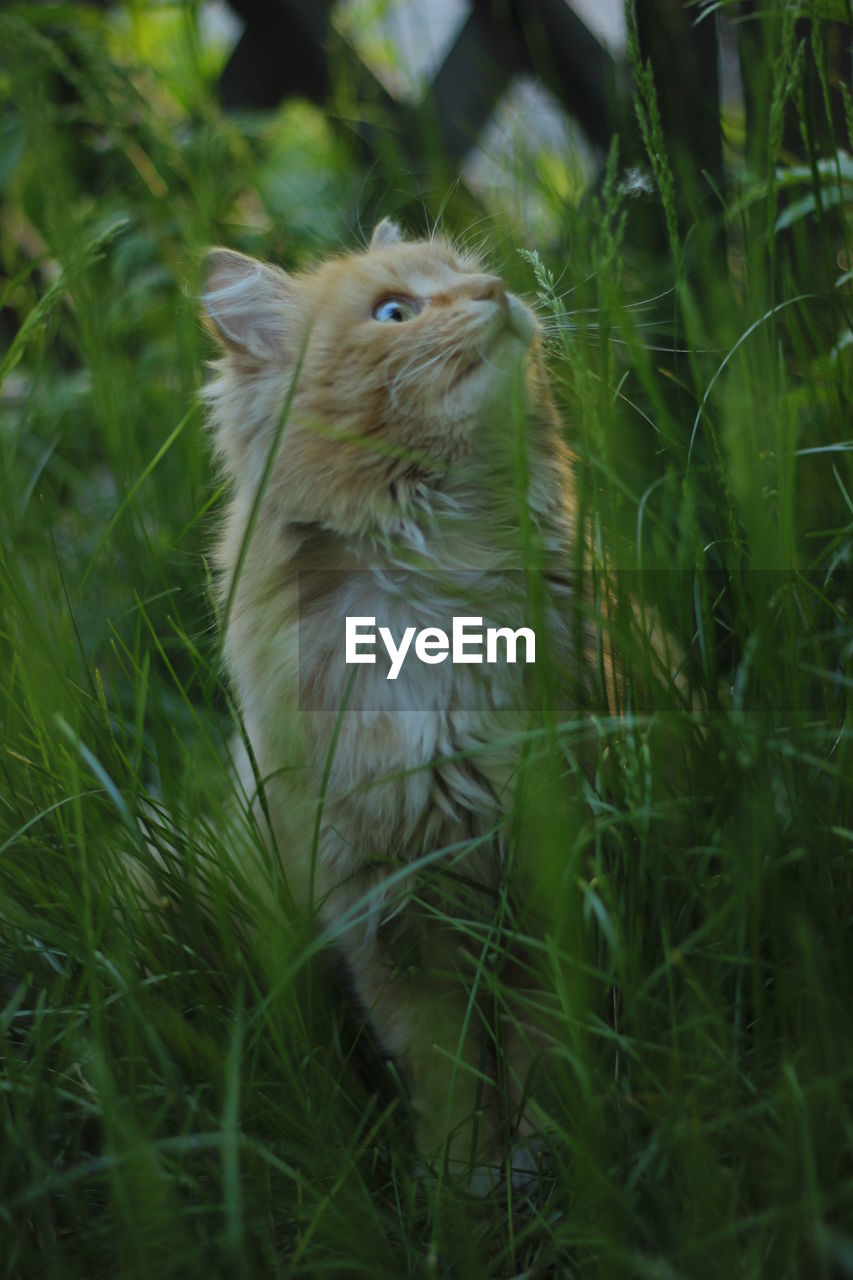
(386,457)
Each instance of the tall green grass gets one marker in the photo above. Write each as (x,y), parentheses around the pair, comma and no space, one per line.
(185,1087)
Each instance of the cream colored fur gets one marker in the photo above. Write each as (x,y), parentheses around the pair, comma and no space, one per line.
(398,453)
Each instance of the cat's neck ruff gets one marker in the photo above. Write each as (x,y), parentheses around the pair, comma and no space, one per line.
(447,524)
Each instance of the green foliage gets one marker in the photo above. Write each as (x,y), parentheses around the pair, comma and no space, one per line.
(651,128)
(185,1088)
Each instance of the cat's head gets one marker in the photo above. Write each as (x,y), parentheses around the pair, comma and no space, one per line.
(389,363)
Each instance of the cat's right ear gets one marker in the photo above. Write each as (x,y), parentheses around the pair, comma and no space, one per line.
(247,302)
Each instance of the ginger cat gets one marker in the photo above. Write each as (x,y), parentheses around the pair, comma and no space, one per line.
(387,415)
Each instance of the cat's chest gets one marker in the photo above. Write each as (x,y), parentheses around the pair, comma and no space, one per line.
(384,638)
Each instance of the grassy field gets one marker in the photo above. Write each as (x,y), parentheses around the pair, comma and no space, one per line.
(184,1090)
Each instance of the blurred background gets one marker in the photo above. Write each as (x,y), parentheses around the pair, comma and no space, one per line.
(184,1090)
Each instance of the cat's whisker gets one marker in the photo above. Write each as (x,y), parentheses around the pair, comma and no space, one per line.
(410,372)
(647,302)
(454,186)
(556,329)
(478,250)
(558,297)
(559,326)
(675,351)
(643,304)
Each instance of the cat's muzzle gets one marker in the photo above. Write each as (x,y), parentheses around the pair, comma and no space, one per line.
(521,319)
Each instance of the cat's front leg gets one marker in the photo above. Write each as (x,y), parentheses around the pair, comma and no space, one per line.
(424,1016)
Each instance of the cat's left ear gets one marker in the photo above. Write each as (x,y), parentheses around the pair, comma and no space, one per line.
(248,302)
(385,234)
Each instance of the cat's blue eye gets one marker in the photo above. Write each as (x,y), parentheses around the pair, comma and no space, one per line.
(395,310)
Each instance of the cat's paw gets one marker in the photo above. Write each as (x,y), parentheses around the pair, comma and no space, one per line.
(479,1182)
(527,1162)
(483,1180)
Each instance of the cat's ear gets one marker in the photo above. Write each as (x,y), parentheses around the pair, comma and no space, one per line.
(248,302)
(385,233)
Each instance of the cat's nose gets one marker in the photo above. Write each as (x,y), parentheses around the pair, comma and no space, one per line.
(488,289)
